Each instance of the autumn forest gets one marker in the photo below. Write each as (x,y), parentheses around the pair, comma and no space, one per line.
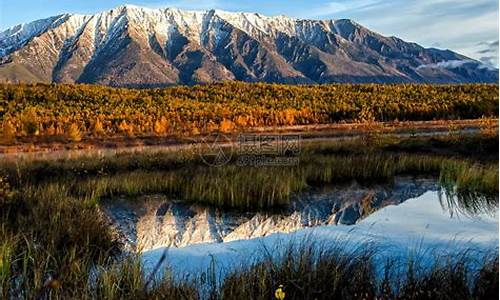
(73,112)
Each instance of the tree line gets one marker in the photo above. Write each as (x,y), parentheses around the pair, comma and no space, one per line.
(77,110)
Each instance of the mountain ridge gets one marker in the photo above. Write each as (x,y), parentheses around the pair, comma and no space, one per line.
(141,47)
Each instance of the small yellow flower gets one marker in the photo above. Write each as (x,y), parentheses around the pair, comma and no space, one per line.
(280,294)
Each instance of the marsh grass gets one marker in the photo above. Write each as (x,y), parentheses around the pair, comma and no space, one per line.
(252,188)
(126,280)
(469,189)
(449,278)
(32,171)
(256,188)
(479,148)
(228,187)
(467,178)
(53,237)
(51,244)
(338,273)
(305,271)
(47,234)
(486,281)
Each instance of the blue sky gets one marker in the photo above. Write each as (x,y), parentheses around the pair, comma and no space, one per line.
(466,26)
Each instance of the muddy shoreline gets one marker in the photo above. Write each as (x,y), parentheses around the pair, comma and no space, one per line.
(37,147)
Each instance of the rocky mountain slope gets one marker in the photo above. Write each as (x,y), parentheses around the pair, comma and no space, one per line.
(141,47)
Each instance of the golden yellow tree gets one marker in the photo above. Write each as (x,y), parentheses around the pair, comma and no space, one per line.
(73,133)
(29,121)
(126,128)
(8,133)
(226,126)
(98,128)
(161,126)
(51,130)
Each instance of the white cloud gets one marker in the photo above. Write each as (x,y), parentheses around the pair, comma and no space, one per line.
(452,64)
(448,64)
(458,25)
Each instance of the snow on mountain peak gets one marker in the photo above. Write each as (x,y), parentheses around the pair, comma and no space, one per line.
(152,21)
(188,46)
(16,36)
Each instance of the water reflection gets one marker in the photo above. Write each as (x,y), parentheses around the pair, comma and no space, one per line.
(155,221)
(466,203)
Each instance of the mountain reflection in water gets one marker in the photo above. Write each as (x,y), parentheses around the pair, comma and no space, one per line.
(154,221)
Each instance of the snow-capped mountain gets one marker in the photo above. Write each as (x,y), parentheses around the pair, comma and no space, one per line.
(135,46)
